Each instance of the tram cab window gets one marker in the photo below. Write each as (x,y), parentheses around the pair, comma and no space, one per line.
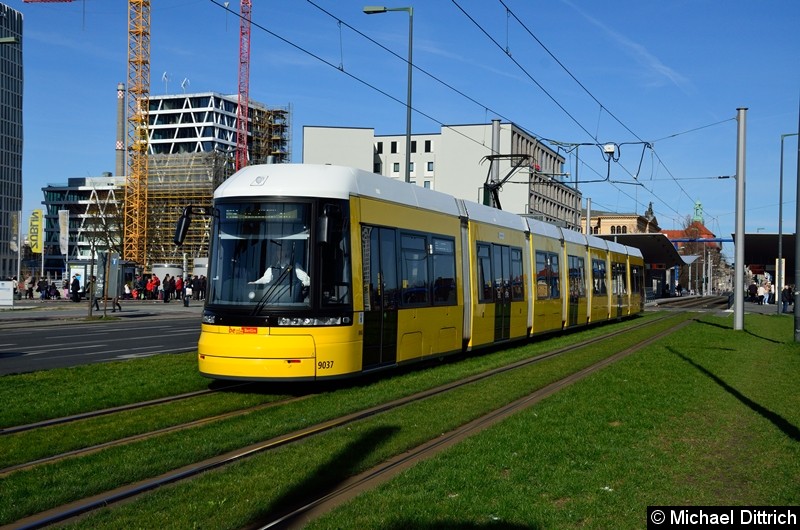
(335,259)
(261,254)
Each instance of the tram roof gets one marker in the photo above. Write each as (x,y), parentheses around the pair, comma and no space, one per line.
(336,182)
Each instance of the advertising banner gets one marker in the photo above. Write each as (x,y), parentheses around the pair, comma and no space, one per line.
(63,231)
(13,244)
(36,231)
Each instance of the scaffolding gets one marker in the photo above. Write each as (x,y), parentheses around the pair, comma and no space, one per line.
(175,181)
(271,135)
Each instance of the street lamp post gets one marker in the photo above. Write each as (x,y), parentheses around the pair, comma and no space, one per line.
(779,273)
(372,10)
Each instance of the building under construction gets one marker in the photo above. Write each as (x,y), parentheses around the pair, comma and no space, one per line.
(192,143)
(191,148)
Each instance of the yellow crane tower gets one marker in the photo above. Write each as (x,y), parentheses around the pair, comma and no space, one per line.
(135,236)
(135,208)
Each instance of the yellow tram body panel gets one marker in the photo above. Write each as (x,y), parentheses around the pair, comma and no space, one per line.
(599,285)
(547,315)
(483,327)
(548,305)
(620,286)
(428,331)
(279,353)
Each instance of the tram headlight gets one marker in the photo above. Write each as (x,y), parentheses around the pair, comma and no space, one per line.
(209,318)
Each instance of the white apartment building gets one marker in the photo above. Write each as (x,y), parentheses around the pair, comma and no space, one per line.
(454,161)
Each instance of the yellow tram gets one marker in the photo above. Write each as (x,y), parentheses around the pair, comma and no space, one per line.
(323,272)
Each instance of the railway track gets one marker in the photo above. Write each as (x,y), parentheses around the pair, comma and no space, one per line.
(715,303)
(80,507)
(114,410)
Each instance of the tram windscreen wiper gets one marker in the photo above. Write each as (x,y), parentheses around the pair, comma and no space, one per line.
(273,287)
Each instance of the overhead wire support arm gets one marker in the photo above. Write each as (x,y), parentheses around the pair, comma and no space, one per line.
(491,188)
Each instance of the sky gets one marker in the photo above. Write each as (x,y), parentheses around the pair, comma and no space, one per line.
(662,80)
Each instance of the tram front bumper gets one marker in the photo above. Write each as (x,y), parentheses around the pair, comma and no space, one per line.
(229,352)
(252,353)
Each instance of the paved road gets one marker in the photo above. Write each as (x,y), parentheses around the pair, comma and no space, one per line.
(53,334)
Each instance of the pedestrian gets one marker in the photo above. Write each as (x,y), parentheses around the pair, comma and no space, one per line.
(92,297)
(787,298)
(76,288)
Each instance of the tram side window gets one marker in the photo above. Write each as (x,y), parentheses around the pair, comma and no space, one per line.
(414,270)
(619,283)
(444,271)
(501,268)
(577,277)
(517,279)
(599,277)
(636,280)
(485,294)
(547,278)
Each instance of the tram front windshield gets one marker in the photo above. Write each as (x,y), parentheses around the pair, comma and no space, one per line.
(261,255)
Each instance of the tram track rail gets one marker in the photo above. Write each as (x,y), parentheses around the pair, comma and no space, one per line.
(694,302)
(114,410)
(80,507)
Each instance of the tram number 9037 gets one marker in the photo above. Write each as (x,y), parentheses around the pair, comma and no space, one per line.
(324,365)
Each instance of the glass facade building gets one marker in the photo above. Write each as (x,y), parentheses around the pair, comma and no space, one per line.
(10,136)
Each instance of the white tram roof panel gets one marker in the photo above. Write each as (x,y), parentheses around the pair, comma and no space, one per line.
(337,182)
(571,236)
(493,216)
(540,228)
(597,242)
(613,246)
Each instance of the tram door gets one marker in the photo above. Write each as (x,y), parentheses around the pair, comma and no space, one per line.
(501,268)
(381,294)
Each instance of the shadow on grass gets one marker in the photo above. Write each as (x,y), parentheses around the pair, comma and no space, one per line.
(720,326)
(325,478)
(777,420)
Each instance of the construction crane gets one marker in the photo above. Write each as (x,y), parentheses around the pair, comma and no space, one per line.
(244,85)
(135,210)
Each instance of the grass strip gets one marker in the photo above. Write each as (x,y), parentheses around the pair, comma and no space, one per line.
(37,396)
(47,394)
(242,493)
(706,417)
(29,446)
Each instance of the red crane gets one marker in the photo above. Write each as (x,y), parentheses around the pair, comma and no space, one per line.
(244,85)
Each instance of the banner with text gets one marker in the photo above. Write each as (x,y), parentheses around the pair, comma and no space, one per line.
(36,231)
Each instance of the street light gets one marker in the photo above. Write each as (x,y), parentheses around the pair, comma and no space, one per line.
(372,10)
(779,273)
